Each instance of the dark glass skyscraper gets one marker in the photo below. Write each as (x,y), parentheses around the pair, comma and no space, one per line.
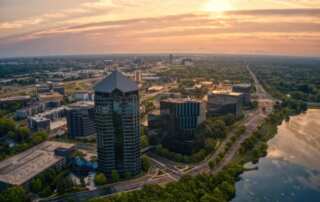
(117,124)
(180,119)
(80,119)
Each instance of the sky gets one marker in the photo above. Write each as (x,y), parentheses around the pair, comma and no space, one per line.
(60,27)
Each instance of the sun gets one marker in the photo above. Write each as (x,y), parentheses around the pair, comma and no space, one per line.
(217,6)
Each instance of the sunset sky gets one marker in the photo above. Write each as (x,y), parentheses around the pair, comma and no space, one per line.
(58,27)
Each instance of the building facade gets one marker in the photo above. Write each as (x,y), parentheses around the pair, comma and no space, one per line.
(224,102)
(117,124)
(180,118)
(245,89)
(38,123)
(80,119)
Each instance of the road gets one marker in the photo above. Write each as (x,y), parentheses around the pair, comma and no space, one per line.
(252,121)
(265,103)
(171,169)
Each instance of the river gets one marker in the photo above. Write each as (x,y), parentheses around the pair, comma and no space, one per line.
(291,170)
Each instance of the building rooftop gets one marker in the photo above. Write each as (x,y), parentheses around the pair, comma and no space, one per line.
(243,85)
(50,96)
(225,92)
(24,166)
(52,111)
(16,98)
(38,118)
(116,80)
(180,100)
(155,88)
(82,104)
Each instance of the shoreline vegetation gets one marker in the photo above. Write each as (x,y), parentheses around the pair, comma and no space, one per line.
(221,186)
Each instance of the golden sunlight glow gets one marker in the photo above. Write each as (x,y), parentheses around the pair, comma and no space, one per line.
(217,6)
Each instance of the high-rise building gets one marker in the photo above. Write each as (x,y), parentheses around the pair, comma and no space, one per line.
(224,102)
(170,59)
(138,76)
(80,119)
(117,124)
(180,118)
(245,89)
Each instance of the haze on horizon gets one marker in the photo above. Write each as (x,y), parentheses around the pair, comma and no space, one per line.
(57,27)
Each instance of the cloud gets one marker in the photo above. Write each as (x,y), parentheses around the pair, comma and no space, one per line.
(285,31)
(60,17)
(277,12)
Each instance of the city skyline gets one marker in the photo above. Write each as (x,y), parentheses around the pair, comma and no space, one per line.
(38,28)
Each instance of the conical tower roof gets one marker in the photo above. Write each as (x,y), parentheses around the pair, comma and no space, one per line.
(116,80)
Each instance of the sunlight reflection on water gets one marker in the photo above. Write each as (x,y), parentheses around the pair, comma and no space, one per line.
(291,170)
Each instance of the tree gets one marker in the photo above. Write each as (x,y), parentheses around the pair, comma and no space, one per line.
(39,137)
(218,128)
(228,189)
(145,164)
(100,179)
(6,125)
(36,185)
(229,119)
(144,141)
(12,135)
(14,194)
(64,184)
(46,192)
(23,133)
(127,175)
(115,176)
(211,164)
(209,198)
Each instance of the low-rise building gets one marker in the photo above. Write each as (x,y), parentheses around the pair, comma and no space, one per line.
(30,110)
(54,114)
(224,102)
(38,123)
(82,96)
(20,169)
(50,87)
(9,100)
(42,88)
(155,88)
(52,96)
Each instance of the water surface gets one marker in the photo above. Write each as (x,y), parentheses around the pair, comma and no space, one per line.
(291,170)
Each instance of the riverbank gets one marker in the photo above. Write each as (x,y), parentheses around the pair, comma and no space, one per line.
(290,170)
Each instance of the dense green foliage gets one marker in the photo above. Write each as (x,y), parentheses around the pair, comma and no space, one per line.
(299,81)
(45,184)
(202,188)
(22,136)
(146,164)
(211,69)
(14,194)
(100,179)
(115,177)
(10,108)
(144,139)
